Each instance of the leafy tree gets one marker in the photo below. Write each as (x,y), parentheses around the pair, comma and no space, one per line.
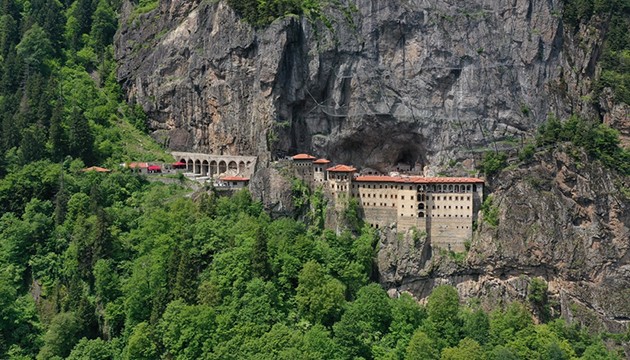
(61,336)
(537,296)
(443,323)
(319,297)
(467,349)
(141,345)
(95,349)
(364,322)
(421,347)
(475,325)
(185,330)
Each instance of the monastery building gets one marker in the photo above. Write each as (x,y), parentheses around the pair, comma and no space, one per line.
(443,207)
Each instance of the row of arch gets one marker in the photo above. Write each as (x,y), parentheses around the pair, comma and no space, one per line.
(212,168)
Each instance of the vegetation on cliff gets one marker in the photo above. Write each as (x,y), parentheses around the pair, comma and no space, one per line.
(614,17)
(110,266)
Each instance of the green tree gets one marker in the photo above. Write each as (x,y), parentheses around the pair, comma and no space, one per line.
(443,324)
(186,330)
(35,49)
(141,344)
(62,335)
(94,349)
(80,136)
(421,347)
(467,349)
(364,322)
(103,26)
(320,297)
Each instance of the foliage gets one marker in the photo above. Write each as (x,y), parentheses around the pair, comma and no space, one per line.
(615,54)
(600,141)
(263,12)
(493,162)
(490,211)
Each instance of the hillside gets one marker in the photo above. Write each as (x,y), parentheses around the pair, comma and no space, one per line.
(531,95)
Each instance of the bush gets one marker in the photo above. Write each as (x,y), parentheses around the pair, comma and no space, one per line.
(490,212)
(493,163)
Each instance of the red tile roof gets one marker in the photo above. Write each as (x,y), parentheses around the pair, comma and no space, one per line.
(97,169)
(304,157)
(418,179)
(342,168)
(321,161)
(234,178)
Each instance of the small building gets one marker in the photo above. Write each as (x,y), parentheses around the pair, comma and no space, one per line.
(339,180)
(319,170)
(96,169)
(139,167)
(232,183)
(304,165)
(154,169)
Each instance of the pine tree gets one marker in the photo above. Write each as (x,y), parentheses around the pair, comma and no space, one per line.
(81,140)
(103,26)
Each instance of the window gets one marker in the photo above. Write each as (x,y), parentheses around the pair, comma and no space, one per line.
(450,198)
(468,198)
(402,197)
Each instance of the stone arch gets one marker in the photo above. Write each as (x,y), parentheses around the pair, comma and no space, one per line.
(241,167)
(197,167)
(421,206)
(189,165)
(213,168)
(456,188)
(204,167)
(450,188)
(232,166)
(421,214)
(222,167)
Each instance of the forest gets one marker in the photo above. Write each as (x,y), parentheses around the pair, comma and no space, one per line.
(112,266)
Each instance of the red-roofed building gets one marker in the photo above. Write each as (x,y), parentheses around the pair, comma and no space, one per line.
(342,169)
(96,169)
(319,170)
(443,207)
(232,182)
(304,157)
(304,166)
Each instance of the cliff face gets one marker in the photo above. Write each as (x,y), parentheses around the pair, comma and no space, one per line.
(395,81)
(561,218)
(414,82)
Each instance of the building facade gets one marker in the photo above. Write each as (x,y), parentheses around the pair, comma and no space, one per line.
(443,207)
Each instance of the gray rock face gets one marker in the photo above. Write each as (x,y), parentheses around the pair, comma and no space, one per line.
(405,81)
(408,81)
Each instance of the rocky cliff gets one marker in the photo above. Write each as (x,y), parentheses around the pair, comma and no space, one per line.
(390,82)
(414,82)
